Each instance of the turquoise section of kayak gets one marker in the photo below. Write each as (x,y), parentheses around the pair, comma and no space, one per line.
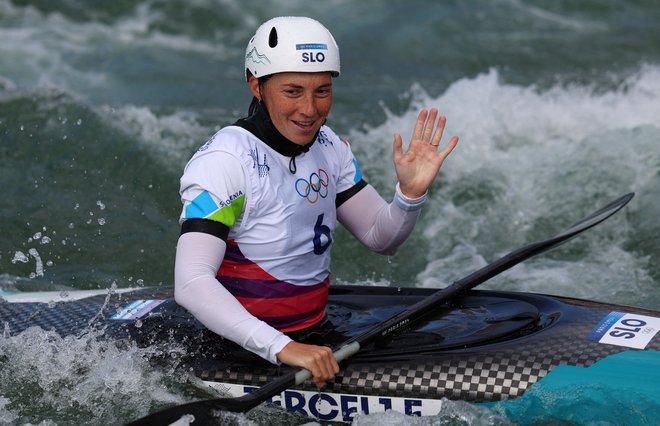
(608,392)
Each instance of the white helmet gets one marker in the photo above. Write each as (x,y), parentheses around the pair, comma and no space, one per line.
(291,44)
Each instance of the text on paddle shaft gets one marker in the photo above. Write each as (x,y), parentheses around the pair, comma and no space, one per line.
(395,327)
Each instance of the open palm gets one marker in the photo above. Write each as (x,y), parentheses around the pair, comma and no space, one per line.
(418,167)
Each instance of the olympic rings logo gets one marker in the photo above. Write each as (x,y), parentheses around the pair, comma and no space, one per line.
(314,188)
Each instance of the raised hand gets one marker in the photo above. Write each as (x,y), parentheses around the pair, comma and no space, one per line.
(418,167)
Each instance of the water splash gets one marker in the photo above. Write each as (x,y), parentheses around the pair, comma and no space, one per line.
(531,161)
(452,413)
(78,380)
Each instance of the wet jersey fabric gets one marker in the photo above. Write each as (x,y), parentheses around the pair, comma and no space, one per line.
(281,223)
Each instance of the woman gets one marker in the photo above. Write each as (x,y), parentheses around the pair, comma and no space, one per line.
(261,200)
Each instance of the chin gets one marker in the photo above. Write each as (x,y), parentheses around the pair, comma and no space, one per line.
(303,139)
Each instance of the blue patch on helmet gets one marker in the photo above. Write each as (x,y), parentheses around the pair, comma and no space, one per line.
(312,46)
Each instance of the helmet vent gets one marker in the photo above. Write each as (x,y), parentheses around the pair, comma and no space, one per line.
(272,38)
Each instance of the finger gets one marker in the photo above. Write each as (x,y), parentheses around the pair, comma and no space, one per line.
(324,366)
(398,145)
(419,126)
(323,360)
(319,368)
(439,131)
(430,123)
(334,365)
(331,368)
(319,379)
(450,147)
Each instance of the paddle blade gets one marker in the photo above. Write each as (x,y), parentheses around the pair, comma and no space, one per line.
(207,412)
(596,217)
(524,253)
(210,411)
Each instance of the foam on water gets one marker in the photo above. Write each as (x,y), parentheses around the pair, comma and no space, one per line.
(172,137)
(530,163)
(82,379)
(500,123)
(113,59)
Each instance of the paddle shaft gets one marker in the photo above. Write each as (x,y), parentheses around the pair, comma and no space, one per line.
(409,316)
(203,410)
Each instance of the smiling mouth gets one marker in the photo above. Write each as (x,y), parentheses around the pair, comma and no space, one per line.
(304,125)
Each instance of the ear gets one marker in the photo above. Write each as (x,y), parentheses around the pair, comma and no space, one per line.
(254,87)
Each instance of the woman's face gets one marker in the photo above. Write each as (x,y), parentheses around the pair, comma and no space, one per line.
(298,102)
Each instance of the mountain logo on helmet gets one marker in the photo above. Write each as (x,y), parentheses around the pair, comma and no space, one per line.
(257,57)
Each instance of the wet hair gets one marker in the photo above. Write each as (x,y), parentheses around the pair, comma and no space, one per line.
(255,102)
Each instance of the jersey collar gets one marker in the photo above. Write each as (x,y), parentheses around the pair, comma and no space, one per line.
(261,126)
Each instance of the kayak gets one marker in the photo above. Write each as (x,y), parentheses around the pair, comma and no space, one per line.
(402,349)
(483,347)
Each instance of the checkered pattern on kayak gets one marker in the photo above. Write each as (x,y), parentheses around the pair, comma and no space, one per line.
(499,370)
(489,373)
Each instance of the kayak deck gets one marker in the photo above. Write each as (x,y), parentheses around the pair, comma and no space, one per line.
(487,346)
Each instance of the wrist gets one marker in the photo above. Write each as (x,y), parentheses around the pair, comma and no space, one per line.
(409,203)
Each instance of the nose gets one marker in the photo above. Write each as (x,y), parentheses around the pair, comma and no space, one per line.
(307,105)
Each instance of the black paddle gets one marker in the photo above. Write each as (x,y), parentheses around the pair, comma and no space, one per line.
(203,411)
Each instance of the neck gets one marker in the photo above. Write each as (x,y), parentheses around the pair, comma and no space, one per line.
(261,126)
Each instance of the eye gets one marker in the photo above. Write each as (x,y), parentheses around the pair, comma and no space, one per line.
(324,91)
